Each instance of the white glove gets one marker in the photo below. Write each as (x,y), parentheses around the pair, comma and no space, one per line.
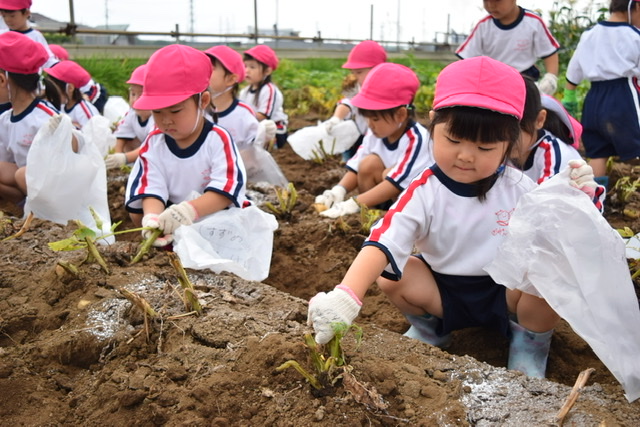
(548,84)
(329,197)
(581,177)
(53,123)
(326,309)
(151,220)
(329,124)
(115,160)
(266,132)
(176,215)
(347,207)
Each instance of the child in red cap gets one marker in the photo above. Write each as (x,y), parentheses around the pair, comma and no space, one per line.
(455,213)
(362,58)
(134,126)
(395,149)
(519,38)
(15,14)
(186,153)
(21,61)
(68,77)
(59,52)
(261,93)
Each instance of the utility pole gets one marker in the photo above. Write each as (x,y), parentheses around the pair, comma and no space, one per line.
(191,27)
(371,24)
(106,14)
(255,20)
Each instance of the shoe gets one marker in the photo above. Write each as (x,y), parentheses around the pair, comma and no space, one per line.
(528,351)
(423,328)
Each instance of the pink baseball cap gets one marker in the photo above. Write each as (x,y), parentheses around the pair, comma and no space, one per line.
(481,82)
(19,54)
(574,126)
(366,54)
(229,58)
(174,73)
(60,52)
(70,72)
(387,85)
(15,4)
(137,75)
(264,54)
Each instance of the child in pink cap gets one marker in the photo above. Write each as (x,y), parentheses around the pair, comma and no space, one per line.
(59,52)
(21,61)
(428,252)
(234,115)
(68,77)
(134,126)
(395,149)
(261,93)
(186,153)
(362,58)
(16,14)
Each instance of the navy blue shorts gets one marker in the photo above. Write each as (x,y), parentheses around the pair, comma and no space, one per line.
(470,301)
(611,119)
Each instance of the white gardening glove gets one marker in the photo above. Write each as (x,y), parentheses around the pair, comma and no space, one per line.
(151,220)
(53,123)
(329,197)
(266,132)
(581,177)
(340,305)
(329,124)
(347,207)
(115,160)
(548,84)
(176,215)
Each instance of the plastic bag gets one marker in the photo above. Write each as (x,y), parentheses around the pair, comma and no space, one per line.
(261,166)
(115,108)
(561,248)
(62,184)
(239,241)
(306,141)
(98,131)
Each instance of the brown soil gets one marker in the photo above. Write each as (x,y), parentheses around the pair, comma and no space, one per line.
(73,351)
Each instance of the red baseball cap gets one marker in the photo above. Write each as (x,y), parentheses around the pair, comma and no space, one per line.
(574,126)
(481,82)
(229,58)
(366,54)
(387,85)
(137,75)
(264,54)
(70,72)
(60,52)
(15,4)
(19,54)
(174,73)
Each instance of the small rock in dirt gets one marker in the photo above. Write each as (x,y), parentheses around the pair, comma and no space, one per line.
(319,415)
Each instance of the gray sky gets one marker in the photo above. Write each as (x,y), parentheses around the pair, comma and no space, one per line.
(419,20)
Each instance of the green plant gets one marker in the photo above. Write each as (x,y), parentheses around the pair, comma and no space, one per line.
(190,299)
(625,187)
(287,199)
(328,361)
(368,217)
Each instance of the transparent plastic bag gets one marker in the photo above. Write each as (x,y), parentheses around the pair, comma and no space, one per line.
(63,184)
(239,241)
(560,247)
(306,141)
(262,167)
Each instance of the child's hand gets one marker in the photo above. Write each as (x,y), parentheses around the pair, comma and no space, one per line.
(329,197)
(151,220)
(548,84)
(325,309)
(115,160)
(581,177)
(329,124)
(347,207)
(266,132)
(176,215)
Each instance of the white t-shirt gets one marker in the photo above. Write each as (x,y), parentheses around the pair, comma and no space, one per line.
(81,112)
(270,102)
(407,157)
(519,45)
(548,156)
(17,132)
(171,174)
(455,232)
(131,127)
(241,122)
(354,114)
(37,36)
(607,51)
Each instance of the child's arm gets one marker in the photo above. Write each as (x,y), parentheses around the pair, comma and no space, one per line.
(341,112)
(549,82)
(343,303)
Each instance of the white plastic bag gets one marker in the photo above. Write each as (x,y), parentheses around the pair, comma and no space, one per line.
(115,108)
(98,132)
(561,248)
(239,241)
(62,184)
(261,166)
(306,141)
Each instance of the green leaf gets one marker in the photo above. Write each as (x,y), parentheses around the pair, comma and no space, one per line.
(70,244)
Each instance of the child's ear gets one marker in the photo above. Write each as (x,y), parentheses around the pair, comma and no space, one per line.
(542,117)
(205,99)
(432,114)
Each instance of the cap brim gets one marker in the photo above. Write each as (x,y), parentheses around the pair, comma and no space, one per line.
(571,123)
(361,101)
(479,101)
(352,65)
(156,102)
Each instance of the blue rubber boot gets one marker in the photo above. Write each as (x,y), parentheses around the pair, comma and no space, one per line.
(528,351)
(423,328)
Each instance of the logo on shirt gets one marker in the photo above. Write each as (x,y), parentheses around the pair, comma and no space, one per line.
(504,217)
